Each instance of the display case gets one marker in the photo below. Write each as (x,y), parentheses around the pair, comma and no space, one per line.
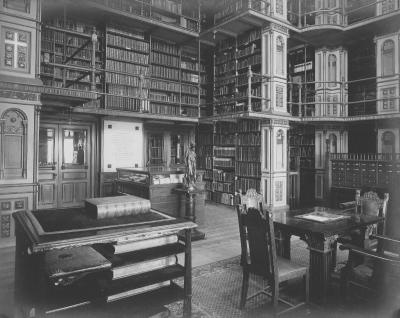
(155,183)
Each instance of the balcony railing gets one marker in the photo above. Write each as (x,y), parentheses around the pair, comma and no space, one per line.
(342,99)
(304,13)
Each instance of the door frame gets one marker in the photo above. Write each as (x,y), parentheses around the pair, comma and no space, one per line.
(79,121)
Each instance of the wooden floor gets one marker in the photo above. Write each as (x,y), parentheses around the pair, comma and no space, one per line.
(222,242)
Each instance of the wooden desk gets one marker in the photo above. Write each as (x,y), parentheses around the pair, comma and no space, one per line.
(35,237)
(321,240)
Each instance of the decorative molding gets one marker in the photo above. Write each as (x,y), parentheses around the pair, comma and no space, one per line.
(20,95)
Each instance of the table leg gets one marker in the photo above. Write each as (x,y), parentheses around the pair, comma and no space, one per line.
(282,241)
(187,301)
(321,252)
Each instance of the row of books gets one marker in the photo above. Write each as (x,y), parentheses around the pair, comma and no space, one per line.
(123,79)
(305,151)
(190,77)
(165,47)
(222,69)
(224,90)
(127,43)
(223,187)
(225,128)
(70,24)
(85,54)
(248,153)
(224,140)
(255,92)
(59,37)
(164,109)
(208,174)
(190,24)
(208,186)
(190,89)
(223,176)
(248,169)
(130,32)
(249,61)
(127,91)
(223,57)
(170,98)
(224,162)
(70,75)
(127,56)
(124,103)
(168,5)
(249,37)
(227,9)
(165,72)
(248,126)
(165,86)
(244,184)
(248,50)
(164,59)
(191,100)
(224,151)
(112,65)
(47,57)
(191,66)
(206,140)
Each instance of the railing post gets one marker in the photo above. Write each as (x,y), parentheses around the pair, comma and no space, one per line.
(249,77)
(93,60)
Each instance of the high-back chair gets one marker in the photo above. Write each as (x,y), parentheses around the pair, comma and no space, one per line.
(259,252)
(369,203)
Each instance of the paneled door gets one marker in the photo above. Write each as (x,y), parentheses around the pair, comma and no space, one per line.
(64,165)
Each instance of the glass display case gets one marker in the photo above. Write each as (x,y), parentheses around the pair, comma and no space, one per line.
(155,183)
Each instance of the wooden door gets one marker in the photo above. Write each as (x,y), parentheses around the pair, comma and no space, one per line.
(64,165)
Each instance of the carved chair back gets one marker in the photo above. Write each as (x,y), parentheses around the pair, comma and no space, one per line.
(371,204)
(257,236)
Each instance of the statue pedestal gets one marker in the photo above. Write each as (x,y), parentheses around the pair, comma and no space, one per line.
(190,213)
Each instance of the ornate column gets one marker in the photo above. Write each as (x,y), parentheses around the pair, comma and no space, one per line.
(274,163)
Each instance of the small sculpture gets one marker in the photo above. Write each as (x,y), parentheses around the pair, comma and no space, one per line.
(190,176)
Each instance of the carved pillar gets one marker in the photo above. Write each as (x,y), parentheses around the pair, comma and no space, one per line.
(274,163)
(36,156)
(322,261)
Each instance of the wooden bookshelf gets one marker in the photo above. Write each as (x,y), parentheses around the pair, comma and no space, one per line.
(127,69)
(301,89)
(248,156)
(67,57)
(237,73)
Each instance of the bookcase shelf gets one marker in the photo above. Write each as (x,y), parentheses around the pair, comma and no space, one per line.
(71,51)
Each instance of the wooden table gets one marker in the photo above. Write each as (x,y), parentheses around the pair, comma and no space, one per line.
(42,231)
(321,240)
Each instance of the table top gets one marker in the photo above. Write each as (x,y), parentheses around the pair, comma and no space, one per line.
(287,219)
(56,234)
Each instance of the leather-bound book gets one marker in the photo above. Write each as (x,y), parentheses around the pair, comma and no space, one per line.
(67,265)
(109,207)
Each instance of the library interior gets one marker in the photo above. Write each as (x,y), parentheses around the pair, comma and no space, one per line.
(136,136)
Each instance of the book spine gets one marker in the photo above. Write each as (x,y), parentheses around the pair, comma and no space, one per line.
(142,267)
(121,248)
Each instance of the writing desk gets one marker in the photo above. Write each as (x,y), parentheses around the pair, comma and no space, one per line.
(39,232)
(321,240)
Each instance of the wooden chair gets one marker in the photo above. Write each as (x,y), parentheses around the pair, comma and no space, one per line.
(367,204)
(378,274)
(259,252)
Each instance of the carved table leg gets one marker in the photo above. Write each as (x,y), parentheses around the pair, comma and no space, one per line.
(321,252)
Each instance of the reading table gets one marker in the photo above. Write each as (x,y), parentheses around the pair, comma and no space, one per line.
(43,235)
(320,234)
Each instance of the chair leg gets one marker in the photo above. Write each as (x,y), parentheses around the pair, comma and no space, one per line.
(275,297)
(245,288)
(307,286)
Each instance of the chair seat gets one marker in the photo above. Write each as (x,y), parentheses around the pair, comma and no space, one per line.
(288,269)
